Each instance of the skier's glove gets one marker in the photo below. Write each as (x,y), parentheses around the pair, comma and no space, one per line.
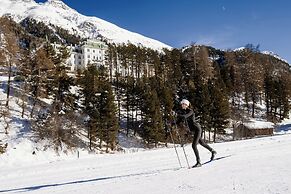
(173,113)
(168,127)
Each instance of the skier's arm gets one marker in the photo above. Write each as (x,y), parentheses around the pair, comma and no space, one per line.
(177,117)
(185,116)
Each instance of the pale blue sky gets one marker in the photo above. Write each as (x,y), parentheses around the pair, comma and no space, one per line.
(224,24)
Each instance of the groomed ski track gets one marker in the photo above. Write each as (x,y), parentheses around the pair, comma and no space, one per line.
(249,166)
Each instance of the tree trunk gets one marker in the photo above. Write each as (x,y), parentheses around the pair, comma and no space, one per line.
(253,106)
(214,136)
(8,84)
(33,106)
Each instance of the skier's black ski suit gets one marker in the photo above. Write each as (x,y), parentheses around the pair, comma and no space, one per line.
(188,117)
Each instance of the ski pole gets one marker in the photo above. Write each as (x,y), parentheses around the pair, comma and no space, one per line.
(182,144)
(175,148)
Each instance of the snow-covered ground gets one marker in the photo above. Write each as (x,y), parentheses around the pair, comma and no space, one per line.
(249,166)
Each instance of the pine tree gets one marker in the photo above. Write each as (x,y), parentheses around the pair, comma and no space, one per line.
(219,111)
(167,104)
(202,103)
(108,118)
(174,69)
(90,93)
(152,118)
(252,77)
(39,67)
(276,88)
(138,100)
(25,68)
(283,99)
(58,122)
(129,102)
(99,105)
(9,50)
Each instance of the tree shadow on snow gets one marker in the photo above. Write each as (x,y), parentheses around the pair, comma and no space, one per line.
(286,127)
(38,187)
(23,124)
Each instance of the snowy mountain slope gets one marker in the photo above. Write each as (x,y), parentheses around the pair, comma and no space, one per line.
(249,166)
(57,13)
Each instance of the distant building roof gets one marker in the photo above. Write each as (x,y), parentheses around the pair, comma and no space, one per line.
(259,125)
(95,43)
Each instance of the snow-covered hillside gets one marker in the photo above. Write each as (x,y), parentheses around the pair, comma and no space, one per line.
(58,13)
(248,166)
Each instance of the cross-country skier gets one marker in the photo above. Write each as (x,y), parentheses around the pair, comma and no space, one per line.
(186,115)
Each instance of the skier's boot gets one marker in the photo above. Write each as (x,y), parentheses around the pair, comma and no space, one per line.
(213,153)
(198,164)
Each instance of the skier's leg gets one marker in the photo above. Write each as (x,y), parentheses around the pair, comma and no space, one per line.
(201,141)
(213,152)
(194,145)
